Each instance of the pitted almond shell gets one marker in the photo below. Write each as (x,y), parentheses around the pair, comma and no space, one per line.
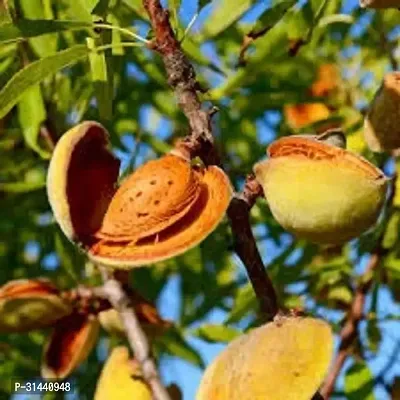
(285,359)
(70,343)
(121,379)
(154,197)
(320,192)
(147,314)
(198,222)
(164,208)
(28,304)
(81,180)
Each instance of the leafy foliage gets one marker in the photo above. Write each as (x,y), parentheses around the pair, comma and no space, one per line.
(65,61)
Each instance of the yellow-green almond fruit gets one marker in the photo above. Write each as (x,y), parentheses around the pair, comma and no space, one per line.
(121,379)
(27,304)
(283,360)
(321,192)
(382,122)
(380,3)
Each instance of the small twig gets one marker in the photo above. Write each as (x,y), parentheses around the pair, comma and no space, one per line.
(349,332)
(137,339)
(246,248)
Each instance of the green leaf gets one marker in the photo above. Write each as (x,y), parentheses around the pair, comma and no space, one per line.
(213,333)
(31,114)
(244,302)
(71,260)
(28,28)
(272,16)
(35,9)
(224,15)
(137,7)
(35,73)
(100,67)
(359,382)
(175,344)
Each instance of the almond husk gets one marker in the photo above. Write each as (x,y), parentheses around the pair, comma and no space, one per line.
(81,180)
(27,304)
(381,124)
(321,192)
(70,343)
(285,359)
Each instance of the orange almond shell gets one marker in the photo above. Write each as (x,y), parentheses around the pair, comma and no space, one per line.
(154,197)
(81,180)
(195,225)
(71,342)
(30,304)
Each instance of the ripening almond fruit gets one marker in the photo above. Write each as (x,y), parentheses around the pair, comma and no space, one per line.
(320,192)
(285,359)
(27,304)
(121,378)
(70,343)
(380,3)
(381,125)
(162,209)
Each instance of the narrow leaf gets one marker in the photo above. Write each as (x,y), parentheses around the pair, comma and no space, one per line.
(214,333)
(224,15)
(35,73)
(31,114)
(28,28)
(359,382)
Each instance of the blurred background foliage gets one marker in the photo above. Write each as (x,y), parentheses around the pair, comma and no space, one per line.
(309,65)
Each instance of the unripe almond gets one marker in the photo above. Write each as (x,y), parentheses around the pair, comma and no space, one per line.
(121,378)
(321,192)
(285,359)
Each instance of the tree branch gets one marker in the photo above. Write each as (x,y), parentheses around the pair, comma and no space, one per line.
(137,339)
(349,332)
(200,142)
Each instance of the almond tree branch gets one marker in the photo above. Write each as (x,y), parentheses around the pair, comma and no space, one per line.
(137,339)
(200,142)
(349,332)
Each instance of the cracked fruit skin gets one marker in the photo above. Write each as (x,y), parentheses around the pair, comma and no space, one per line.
(120,378)
(72,340)
(283,360)
(320,192)
(164,208)
(27,304)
